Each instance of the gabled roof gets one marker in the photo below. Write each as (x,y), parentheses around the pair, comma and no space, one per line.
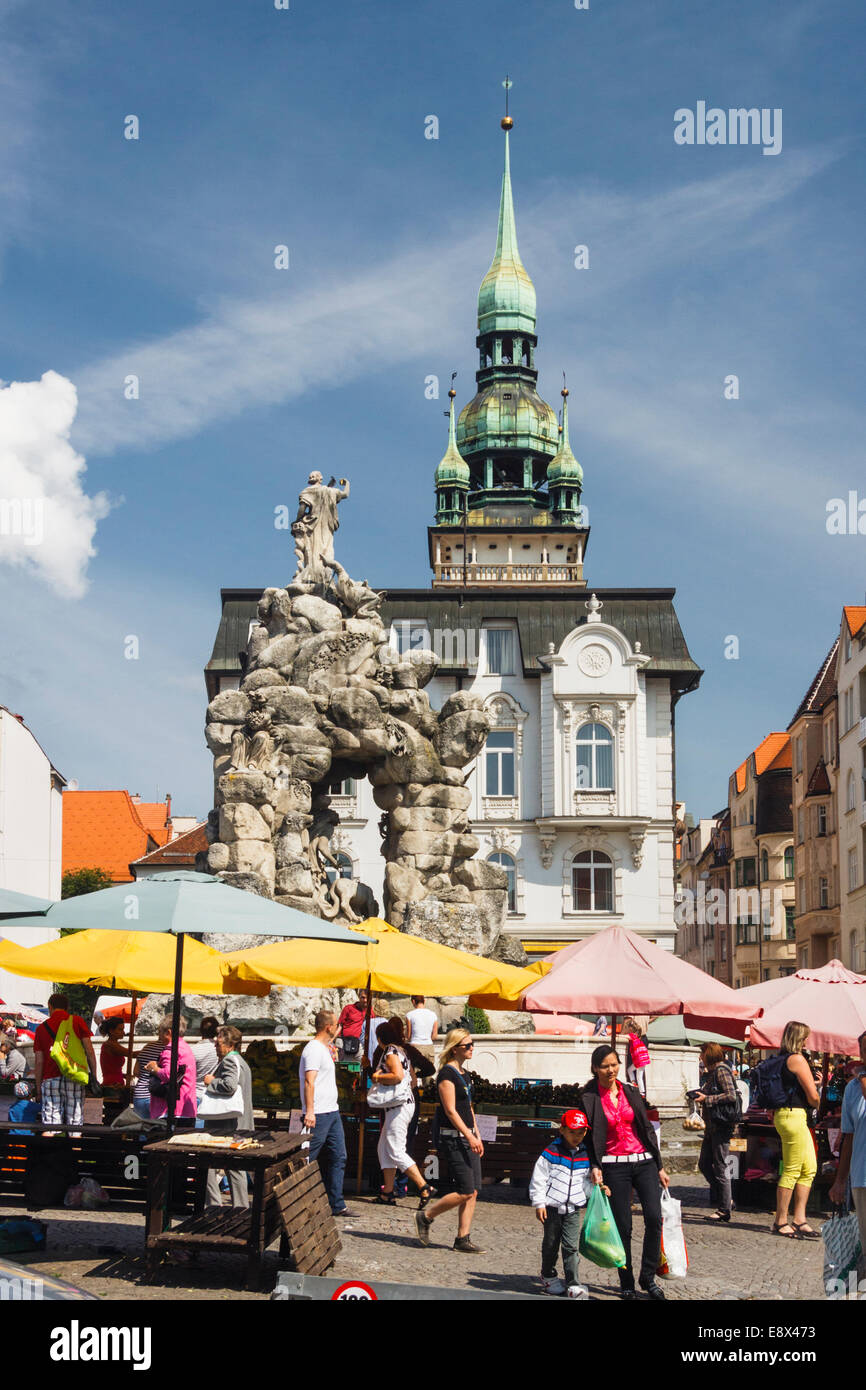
(819,782)
(179,853)
(102,830)
(855,617)
(154,816)
(772,753)
(823,686)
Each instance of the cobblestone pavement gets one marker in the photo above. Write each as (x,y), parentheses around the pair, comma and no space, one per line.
(740,1261)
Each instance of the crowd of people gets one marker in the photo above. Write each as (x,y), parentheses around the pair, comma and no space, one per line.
(606,1141)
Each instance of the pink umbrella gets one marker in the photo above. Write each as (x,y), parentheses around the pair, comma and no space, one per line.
(831,999)
(618,972)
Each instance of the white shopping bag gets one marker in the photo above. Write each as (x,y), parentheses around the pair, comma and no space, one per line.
(674,1258)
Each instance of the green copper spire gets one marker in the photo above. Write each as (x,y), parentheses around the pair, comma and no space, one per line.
(506,300)
(564,467)
(564,475)
(452,477)
(453,466)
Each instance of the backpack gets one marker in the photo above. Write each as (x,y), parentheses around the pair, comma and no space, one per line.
(640,1056)
(770,1090)
(67,1053)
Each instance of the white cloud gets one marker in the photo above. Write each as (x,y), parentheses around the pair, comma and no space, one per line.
(268,350)
(47,521)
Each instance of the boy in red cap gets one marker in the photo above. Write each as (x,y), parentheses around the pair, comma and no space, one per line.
(558,1190)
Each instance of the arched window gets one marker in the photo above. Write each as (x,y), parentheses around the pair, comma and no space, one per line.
(594,758)
(506,862)
(346,868)
(849,805)
(789,861)
(592,882)
(765,866)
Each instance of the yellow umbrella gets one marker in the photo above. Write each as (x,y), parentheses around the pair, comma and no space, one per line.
(140,962)
(392,963)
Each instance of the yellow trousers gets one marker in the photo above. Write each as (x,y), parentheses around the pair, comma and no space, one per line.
(798,1150)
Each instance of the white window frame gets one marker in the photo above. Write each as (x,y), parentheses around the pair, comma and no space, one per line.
(853,881)
(593,743)
(498,754)
(592,866)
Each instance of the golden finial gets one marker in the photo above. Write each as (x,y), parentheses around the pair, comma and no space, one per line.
(506,121)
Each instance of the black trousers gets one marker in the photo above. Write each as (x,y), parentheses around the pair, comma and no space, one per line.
(643,1177)
(713,1164)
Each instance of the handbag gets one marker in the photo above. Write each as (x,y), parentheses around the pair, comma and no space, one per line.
(222,1106)
(351,1047)
(600,1240)
(159,1089)
(384,1097)
(674,1260)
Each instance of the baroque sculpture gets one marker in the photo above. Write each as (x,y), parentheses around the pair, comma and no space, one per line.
(325,697)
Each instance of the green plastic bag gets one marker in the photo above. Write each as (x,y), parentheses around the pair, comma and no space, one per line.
(599,1238)
(69,1055)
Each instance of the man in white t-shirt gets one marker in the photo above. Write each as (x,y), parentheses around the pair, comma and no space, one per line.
(321,1107)
(423,1023)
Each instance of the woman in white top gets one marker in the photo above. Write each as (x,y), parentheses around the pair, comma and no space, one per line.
(423,1023)
(391,1069)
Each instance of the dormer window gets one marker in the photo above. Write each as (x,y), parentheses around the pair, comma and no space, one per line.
(500,651)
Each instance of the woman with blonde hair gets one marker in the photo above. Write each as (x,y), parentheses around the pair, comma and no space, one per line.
(791,1122)
(456,1137)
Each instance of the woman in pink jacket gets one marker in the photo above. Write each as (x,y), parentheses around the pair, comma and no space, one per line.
(161,1069)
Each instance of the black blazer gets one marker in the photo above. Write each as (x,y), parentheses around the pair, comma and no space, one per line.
(596,1137)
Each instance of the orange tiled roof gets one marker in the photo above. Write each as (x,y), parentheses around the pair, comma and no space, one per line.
(772,752)
(855,617)
(154,817)
(180,853)
(102,830)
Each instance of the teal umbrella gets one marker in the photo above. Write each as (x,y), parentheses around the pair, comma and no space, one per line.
(22,905)
(181,902)
(670,1029)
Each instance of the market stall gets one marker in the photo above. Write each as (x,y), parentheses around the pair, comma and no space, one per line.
(832,1000)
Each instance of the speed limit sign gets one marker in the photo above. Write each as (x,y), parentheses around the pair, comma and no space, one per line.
(354,1290)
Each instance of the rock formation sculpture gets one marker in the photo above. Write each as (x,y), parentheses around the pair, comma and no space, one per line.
(325,697)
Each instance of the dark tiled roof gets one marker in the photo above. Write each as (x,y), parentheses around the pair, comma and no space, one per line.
(823,687)
(181,850)
(542,616)
(819,782)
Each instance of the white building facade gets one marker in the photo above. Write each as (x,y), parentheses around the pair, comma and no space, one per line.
(31,839)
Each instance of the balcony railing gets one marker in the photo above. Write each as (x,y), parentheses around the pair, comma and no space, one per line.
(516,573)
(862,733)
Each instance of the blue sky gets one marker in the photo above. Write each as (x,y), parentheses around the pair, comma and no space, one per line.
(306,128)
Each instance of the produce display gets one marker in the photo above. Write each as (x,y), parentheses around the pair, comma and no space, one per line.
(500,1093)
(276,1083)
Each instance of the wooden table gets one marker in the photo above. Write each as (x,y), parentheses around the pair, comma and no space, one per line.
(238,1230)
